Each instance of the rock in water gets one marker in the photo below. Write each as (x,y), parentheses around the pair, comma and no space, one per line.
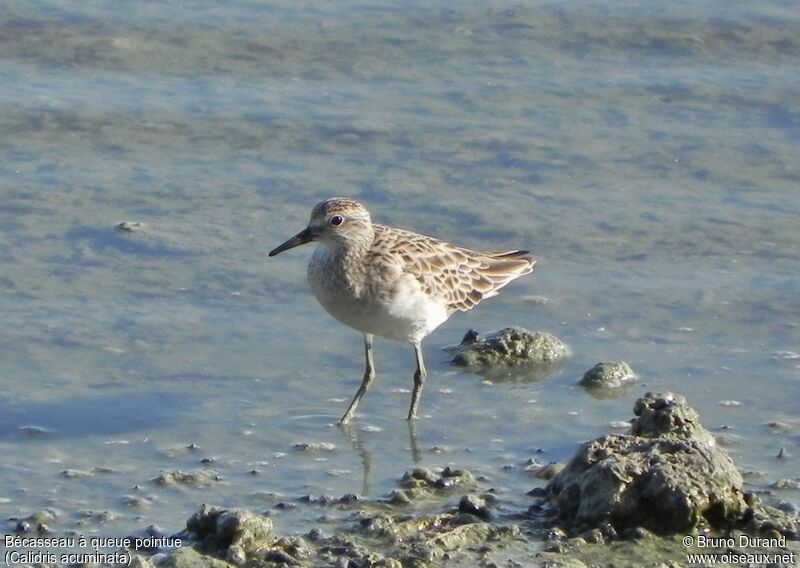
(667,476)
(508,349)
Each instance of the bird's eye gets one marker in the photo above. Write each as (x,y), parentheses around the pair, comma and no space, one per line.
(336,220)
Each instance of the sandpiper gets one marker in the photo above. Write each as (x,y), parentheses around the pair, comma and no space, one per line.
(394,283)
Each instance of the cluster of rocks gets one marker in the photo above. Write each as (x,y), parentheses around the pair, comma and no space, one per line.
(516,352)
(667,476)
(381,534)
(663,479)
(512,351)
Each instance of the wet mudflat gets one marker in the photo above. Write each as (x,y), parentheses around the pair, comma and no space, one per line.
(647,156)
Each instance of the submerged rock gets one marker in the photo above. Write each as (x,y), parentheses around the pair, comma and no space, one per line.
(474,505)
(667,477)
(771,521)
(546,471)
(507,348)
(314,447)
(38,522)
(129,226)
(608,375)
(199,478)
(424,479)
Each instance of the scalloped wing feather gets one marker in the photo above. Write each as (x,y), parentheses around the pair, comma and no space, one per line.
(459,276)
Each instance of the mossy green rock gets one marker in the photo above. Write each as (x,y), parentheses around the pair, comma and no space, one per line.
(668,476)
(217,530)
(188,557)
(508,347)
(668,415)
(666,486)
(608,375)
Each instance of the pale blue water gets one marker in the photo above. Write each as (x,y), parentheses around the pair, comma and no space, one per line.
(647,154)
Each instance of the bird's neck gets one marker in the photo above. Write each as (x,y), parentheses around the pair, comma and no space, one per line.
(355,249)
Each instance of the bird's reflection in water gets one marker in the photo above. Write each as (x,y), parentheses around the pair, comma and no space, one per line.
(416,456)
(365,455)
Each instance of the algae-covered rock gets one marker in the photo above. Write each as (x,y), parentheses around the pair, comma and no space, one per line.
(546,471)
(608,375)
(667,486)
(474,505)
(457,537)
(426,540)
(424,479)
(508,348)
(314,447)
(288,551)
(667,477)
(187,557)
(346,550)
(667,415)
(129,226)
(200,478)
(140,562)
(553,561)
(766,519)
(38,522)
(218,530)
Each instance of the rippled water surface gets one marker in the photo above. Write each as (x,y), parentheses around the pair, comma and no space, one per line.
(647,154)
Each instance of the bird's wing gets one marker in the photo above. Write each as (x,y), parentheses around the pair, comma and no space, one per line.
(459,276)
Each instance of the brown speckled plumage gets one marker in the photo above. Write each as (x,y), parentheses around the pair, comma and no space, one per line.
(458,277)
(395,283)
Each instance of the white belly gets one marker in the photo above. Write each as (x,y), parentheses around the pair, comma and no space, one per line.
(410,315)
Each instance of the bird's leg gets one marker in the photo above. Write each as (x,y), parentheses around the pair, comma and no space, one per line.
(416,455)
(369,375)
(419,381)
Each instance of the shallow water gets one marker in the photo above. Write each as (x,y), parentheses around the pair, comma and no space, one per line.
(648,156)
